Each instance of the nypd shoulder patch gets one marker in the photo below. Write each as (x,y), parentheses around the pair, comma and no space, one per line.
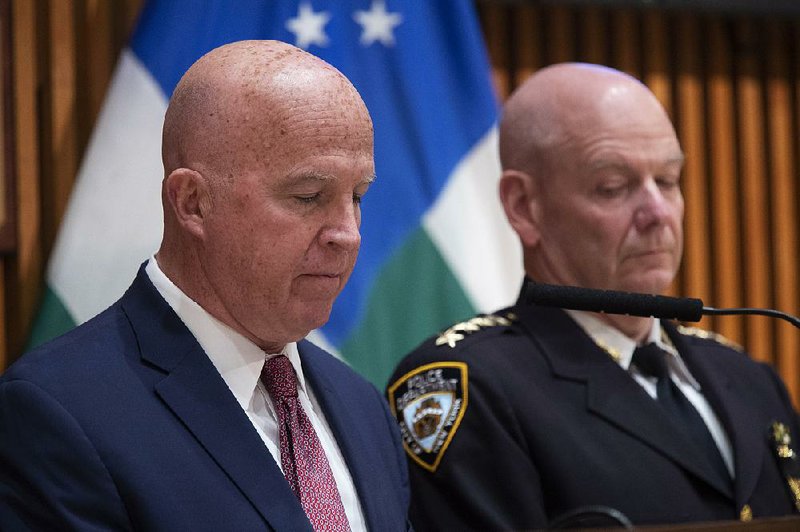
(429,403)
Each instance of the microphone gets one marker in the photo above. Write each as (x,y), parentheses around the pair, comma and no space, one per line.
(591,517)
(634,304)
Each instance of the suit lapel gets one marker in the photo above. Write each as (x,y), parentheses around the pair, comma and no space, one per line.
(739,419)
(350,435)
(612,394)
(195,392)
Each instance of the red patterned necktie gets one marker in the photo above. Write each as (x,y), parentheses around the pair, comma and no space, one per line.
(305,465)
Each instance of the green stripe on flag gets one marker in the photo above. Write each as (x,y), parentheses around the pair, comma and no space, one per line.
(53,320)
(414,296)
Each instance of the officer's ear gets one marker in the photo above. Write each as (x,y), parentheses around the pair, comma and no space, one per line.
(187,193)
(518,196)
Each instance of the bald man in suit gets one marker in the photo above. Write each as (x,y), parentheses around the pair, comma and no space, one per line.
(194,402)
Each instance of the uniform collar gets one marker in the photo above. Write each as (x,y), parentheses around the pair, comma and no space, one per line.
(620,347)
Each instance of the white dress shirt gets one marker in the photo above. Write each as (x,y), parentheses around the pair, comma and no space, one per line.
(620,347)
(239,362)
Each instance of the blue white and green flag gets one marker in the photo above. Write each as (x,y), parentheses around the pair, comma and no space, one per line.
(436,247)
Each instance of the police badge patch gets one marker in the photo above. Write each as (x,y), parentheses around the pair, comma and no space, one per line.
(428,404)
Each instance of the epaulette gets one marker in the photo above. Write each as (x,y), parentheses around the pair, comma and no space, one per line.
(709,335)
(457,332)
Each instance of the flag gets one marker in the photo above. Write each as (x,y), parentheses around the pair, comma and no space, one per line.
(436,247)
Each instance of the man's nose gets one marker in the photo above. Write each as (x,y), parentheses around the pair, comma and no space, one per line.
(653,207)
(342,227)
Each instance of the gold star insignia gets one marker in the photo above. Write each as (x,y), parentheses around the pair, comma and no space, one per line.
(458,332)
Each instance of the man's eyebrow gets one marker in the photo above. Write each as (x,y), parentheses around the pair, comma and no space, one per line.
(320,177)
(619,162)
(679,158)
(306,177)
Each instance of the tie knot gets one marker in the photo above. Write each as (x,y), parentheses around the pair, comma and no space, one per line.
(279,378)
(651,360)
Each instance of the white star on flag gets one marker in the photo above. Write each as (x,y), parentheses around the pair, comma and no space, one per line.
(377,24)
(309,27)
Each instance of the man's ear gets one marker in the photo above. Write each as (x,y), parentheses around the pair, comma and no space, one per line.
(518,196)
(188,196)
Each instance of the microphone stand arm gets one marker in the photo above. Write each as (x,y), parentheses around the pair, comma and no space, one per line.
(711,311)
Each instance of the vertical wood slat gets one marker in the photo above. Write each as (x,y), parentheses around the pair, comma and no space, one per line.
(627,43)
(495,29)
(6,215)
(594,30)
(655,61)
(560,31)
(783,169)
(63,150)
(724,204)
(753,184)
(24,273)
(97,27)
(529,50)
(691,126)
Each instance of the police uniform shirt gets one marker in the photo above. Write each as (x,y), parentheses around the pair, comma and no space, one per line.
(620,347)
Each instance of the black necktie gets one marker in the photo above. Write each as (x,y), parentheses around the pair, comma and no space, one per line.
(651,361)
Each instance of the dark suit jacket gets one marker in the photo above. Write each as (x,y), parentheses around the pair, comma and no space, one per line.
(124,423)
(552,424)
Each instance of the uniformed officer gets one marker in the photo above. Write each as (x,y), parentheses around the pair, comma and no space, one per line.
(534,416)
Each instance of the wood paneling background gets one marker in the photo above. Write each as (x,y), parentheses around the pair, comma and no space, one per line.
(730,82)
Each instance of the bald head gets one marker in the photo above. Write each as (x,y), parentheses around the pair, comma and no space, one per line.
(239,101)
(591,182)
(267,152)
(561,103)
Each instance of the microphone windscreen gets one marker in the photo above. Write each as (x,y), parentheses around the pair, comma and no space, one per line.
(614,302)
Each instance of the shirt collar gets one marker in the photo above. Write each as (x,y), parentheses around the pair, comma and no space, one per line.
(237,359)
(620,347)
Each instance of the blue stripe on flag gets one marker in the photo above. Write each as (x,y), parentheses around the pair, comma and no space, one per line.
(429,95)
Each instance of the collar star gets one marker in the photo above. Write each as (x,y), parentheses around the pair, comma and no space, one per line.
(377,24)
(309,27)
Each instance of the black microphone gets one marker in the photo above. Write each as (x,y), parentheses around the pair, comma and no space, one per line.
(591,517)
(633,304)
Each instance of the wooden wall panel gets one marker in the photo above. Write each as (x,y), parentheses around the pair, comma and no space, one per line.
(64,52)
(23,272)
(497,24)
(783,190)
(753,182)
(731,82)
(560,30)
(593,33)
(723,209)
(527,43)
(62,131)
(691,125)
(627,47)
